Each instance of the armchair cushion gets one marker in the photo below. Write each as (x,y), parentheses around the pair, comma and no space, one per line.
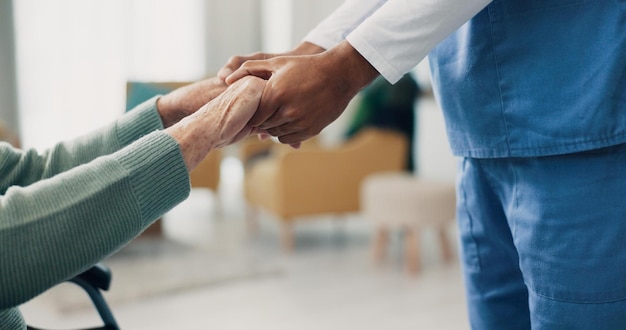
(318,180)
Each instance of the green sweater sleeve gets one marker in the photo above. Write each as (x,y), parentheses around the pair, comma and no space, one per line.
(25,167)
(85,206)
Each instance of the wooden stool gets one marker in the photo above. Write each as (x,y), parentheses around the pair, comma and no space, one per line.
(403,201)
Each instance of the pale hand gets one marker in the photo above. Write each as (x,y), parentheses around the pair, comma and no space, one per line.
(186,100)
(220,122)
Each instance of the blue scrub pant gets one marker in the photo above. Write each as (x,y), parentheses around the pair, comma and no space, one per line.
(543,240)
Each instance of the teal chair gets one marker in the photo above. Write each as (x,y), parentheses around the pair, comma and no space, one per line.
(139,91)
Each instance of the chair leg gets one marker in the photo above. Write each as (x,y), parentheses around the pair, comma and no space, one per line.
(287,239)
(411,250)
(446,247)
(379,246)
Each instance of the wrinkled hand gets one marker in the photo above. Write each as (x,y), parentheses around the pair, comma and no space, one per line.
(305,93)
(220,122)
(186,100)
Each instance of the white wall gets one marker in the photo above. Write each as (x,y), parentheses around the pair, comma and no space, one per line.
(74,58)
(286,22)
(233,27)
(307,14)
(434,158)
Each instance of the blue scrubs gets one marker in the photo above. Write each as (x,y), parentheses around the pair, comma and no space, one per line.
(534,97)
(544,240)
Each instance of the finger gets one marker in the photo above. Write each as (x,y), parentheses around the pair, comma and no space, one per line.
(256,131)
(224,72)
(292,127)
(261,68)
(233,63)
(281,117)
(263,135)
(294,140)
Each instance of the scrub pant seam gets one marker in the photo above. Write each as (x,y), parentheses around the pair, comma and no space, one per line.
(463,190)
(576,302)
(515,197)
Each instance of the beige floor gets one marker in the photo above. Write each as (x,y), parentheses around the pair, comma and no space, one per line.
(328,282)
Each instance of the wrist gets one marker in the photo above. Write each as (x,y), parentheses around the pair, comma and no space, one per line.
(355,70)
(164,109)
(306,48)
(194,140)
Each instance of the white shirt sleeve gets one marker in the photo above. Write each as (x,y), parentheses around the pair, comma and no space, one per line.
(334,28)
(394,35)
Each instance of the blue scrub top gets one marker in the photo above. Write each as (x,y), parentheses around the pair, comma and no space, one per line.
(527,78)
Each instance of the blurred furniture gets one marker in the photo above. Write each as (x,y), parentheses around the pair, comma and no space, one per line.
(388,106)
(252,149)
(207,173)
(402,201)
(314,180)
(8,135)
(93,281)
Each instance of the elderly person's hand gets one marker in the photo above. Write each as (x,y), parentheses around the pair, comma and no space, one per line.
(186,100)
(220,122)
(235,62)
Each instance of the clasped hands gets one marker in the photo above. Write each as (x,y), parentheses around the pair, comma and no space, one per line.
(291,96)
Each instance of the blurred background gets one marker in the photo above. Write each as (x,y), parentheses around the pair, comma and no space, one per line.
(342,234)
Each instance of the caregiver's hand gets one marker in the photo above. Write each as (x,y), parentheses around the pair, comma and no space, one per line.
(305,93)
(305,48)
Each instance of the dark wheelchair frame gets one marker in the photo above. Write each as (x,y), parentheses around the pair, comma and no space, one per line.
(95,280)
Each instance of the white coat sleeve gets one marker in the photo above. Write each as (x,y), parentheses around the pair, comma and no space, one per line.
(397,36)
(394,35)
(334,28)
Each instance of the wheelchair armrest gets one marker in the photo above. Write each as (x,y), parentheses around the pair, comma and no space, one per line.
(99,276)
(94,279)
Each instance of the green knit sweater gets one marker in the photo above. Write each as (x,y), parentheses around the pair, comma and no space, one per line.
(63,210)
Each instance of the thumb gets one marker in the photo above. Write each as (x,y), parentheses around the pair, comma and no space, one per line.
(224,72)
(261,68)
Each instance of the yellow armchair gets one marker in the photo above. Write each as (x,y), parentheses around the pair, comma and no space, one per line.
(316,180)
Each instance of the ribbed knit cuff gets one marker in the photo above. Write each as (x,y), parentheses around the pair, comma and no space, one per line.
(158,174)
(11,319)
(141,120)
